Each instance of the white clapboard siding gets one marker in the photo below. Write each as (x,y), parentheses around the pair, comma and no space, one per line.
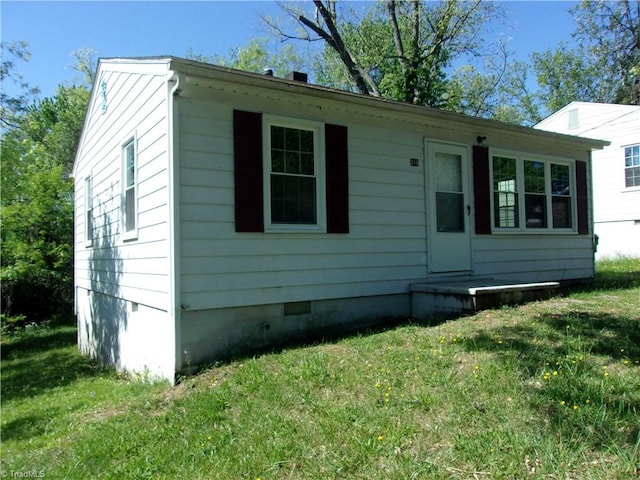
(386,248)
(134,270)
(383,253)
(533,257)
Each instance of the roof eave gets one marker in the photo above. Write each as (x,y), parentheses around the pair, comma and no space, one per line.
(215,72)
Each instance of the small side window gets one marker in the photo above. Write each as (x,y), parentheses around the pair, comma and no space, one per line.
(130,187)
(88,212)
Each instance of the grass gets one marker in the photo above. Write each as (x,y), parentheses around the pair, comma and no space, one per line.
(550,389)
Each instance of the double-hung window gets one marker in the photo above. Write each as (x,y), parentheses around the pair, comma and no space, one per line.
(505,193)
(294,187)
(532,194)
(535,194)
(290,174)
(130,186)
(632,166)
(561,196)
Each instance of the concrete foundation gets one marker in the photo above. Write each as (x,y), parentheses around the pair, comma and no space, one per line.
(211,335)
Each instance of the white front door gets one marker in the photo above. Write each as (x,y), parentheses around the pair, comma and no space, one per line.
(449,244)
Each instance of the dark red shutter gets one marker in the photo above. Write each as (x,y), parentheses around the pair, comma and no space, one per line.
(482,189)
(247,151)
(582,197)
(337,178)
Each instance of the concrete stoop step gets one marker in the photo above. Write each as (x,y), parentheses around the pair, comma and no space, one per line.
(453,295)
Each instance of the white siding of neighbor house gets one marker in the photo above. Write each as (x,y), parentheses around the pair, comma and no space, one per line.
(616,208)
(121,283)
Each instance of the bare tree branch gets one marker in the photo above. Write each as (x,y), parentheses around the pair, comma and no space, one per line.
(397,39)
(361,77)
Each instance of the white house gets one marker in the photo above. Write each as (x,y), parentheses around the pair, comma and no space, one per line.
(615,170)
(219,211)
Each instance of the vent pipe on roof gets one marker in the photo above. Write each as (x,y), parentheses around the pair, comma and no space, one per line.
(268,72)
(297,76)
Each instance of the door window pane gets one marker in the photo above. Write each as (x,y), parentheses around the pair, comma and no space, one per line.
(450,212)
(448,172)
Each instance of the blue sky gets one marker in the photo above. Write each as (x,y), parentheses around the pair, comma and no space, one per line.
(54,29)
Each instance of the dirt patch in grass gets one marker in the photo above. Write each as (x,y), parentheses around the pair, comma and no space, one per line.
(104,414)
(564,303)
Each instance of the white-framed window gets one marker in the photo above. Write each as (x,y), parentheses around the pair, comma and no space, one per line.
(505,193)
(532,194)
(293,174)
(88,211)
(130,189)
(632,166)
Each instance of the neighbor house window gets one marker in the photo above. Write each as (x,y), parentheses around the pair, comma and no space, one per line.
(88,211)
(130,182)
(538,191)
(632,166)
(293,184)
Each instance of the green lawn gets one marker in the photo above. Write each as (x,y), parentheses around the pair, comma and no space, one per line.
(547,390)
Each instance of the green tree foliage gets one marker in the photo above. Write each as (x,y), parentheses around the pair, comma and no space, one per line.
(603,67)
(475,90)
(37,204)
(609,36)
(400,50)
(12,106)
(256,56)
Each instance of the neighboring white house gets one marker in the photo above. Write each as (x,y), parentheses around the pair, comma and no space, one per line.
(219,211)
(615,170)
